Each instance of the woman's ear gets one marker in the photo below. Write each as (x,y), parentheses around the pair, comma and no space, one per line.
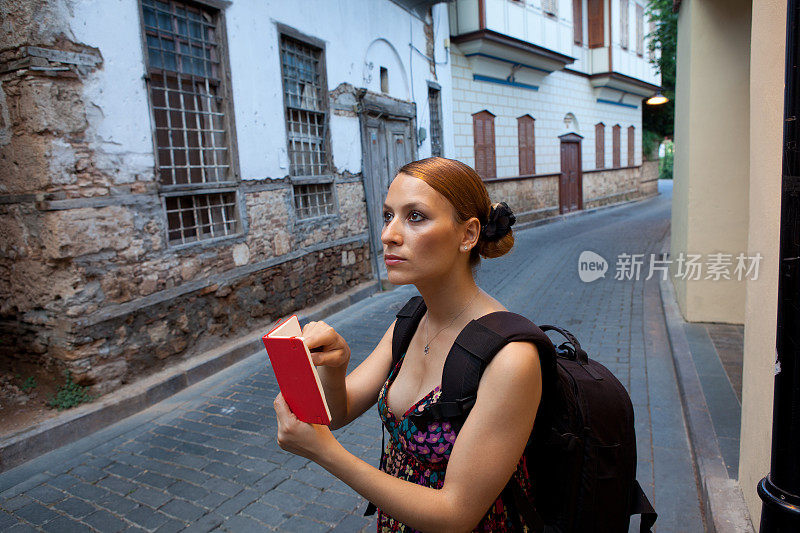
(472,232)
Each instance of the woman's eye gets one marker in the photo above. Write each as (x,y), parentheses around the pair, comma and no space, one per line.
(415,216)
(387,216)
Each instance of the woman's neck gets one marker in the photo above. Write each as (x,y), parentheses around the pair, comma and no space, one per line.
(448,296)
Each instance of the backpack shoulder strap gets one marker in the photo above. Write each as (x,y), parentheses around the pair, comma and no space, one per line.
(408,319)
(474,349)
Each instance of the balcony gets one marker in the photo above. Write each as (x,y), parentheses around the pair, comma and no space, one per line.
(510,40)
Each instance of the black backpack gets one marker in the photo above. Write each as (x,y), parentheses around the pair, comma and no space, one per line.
(582,451)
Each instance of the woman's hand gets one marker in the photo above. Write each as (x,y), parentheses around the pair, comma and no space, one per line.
(311,441)
(328,348)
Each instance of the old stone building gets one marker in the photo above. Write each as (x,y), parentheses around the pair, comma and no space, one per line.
(178,173)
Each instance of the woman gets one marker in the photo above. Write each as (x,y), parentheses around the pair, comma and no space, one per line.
(436,227)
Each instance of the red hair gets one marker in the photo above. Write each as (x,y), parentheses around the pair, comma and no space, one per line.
(466,192)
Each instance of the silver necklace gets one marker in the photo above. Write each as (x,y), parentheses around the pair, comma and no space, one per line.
(429,341)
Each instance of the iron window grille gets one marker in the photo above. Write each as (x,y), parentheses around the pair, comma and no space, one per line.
(306,110)
(313,200)
(435,102)
(187,97)
(193,217)
(305,102)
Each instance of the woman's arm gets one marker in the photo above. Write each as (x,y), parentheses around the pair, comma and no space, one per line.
(483,459)
(348,396)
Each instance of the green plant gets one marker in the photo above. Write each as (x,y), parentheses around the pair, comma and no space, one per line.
(651,140)
(29,384)
(666,164)
(69,395)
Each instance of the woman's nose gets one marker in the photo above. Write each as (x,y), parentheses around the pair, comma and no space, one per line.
(390,233)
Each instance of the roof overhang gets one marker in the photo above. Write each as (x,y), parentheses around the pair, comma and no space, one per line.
(490,45)
(621,82)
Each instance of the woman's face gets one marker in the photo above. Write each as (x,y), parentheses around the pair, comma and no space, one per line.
(421,238)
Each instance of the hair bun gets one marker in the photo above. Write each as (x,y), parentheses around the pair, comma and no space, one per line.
(501,218)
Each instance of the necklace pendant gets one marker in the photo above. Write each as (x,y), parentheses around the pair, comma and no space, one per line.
(427,347)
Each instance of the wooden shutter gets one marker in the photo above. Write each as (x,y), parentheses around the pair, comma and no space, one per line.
(483,132)
(623,24)
(639,30)
(527,145)
(631,146)
(596,24)
(577,20)
(615,156)
(600,145)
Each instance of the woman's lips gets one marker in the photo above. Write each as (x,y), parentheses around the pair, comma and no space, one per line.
(392,260)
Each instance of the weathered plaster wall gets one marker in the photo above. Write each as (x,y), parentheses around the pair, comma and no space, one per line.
(87,280)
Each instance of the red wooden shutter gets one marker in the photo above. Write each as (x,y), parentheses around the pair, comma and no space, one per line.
(483,131)
(615,157)
(631,146)
(577,20)
(527,145)
(600,145)
(596,24)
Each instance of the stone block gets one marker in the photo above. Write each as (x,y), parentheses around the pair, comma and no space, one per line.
(77,232)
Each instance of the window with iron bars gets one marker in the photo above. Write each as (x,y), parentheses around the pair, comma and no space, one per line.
(186,84)
(305,100)
(435,103)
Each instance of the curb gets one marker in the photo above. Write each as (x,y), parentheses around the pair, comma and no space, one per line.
(131,399)
(723,503)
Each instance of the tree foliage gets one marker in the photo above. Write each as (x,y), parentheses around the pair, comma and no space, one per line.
(663,48)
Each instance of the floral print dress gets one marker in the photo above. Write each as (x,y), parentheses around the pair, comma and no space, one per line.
(420,455)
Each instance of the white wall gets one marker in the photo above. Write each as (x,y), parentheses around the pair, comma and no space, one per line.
(116,95)
(355,32)
(628,62)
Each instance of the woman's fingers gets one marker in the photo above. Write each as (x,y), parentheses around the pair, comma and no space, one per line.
(324,343)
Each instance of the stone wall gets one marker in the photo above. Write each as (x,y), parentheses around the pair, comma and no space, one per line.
(88,281)
(536,197)
(603,187)
(530,198)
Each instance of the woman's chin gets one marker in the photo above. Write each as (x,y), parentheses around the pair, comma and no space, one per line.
(396,278)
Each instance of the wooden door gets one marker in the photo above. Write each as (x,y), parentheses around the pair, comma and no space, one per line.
(388,147)
(570,186)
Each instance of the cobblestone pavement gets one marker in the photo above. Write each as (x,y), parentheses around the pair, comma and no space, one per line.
(206,459)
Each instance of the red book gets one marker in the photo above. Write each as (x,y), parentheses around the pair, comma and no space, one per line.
(295,372)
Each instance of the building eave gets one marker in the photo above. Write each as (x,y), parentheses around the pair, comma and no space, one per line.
(512,50)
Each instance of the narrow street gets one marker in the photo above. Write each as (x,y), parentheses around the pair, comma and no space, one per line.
(206,459)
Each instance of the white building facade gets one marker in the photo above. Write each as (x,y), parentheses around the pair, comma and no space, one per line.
(547,98)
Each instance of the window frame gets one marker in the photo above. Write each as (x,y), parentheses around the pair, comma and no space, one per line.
(639,30)
(616,148)
(438,128)
(523,123)
(230,185)
(327,177)
(631,146)
(596,36)
(600,145)
(577,22)
(490,171)
(624,24)
(313,42)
